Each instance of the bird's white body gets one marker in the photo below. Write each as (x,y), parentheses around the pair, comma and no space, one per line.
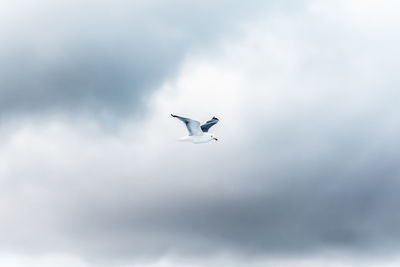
(197,139)
(198,134)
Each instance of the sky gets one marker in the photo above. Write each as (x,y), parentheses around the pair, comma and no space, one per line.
(305,171)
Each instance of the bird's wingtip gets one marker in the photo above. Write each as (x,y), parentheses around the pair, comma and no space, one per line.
(173,115)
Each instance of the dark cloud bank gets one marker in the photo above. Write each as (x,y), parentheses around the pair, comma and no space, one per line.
(308,200)
(102,57)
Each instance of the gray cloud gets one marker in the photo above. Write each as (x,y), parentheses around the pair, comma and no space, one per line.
(341,193)
(295,207)
(102,57)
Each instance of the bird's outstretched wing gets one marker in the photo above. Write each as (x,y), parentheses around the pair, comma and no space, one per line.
(209,124)
(192,126)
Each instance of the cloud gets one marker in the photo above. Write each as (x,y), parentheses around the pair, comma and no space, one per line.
(99,57)
(306,166)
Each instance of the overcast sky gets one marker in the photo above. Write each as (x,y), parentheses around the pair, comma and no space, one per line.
(306,170)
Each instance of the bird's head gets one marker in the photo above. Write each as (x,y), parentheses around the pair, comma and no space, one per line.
(213,137)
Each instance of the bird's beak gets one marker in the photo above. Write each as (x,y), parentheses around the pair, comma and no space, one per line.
(216,139)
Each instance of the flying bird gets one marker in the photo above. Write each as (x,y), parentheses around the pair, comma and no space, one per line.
(197,134)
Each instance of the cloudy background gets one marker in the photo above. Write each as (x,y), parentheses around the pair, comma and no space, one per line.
(305,171)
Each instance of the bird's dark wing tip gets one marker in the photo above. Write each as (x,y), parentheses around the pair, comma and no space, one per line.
(173,115)
(215,118)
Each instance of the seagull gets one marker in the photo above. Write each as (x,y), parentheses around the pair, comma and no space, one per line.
(197,134)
